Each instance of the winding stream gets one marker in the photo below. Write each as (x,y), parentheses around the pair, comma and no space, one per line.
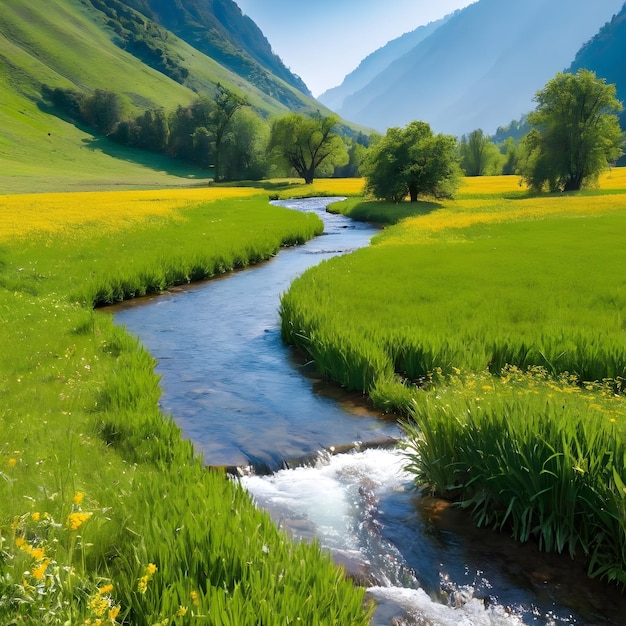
(246,401)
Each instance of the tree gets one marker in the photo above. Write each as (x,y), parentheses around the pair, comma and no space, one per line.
(184,142)
(244,146)
(575,132)
(479,156)
(227,103)
(103,110)
(154,130)
(306,143)
(412,161)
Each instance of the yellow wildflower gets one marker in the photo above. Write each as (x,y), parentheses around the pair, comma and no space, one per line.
(114,612)
(37,553)
(612,420)
(76,520)
(142,584)
(99,605)
(78,498)
(20,541)
(151,569)
(39,572)
(182,610)
(36,516)
(195,600)
(12,462)
(105,589)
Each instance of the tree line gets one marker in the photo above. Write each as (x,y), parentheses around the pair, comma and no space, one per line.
(572,135)
(222,133)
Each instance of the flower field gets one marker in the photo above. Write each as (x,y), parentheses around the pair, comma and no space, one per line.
(62,213)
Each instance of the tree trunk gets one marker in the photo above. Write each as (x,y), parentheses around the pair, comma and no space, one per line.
(413,193)
(573,183)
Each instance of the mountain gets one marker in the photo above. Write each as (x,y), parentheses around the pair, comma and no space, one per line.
(605,55)
(482,67)
(86,45)
(219,29)
(376,63)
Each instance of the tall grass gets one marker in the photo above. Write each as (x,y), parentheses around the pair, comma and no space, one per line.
(542,466)
(106,513)
(520,293)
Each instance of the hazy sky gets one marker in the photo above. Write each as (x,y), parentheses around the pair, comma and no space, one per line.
(323,40)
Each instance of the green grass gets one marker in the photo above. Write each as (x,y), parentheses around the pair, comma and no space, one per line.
(79,414)
(473,287)
(532,293)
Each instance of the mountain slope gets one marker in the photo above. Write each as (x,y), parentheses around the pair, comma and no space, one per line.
(481,68)
(605,54)
(219,29)
(71,44)
(376,63)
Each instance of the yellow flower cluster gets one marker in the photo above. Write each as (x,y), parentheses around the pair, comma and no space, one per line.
(77,519)
(102,607)
(142,583)
(463,213)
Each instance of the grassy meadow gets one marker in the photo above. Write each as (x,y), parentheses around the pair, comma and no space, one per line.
(107,515)
(452,299)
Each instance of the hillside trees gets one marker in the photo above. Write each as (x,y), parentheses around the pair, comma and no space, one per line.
(307,144)
(412,161)
(103,110)
(575,132)
(243,148)
(222,132)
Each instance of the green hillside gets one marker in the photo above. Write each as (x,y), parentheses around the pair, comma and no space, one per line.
(72,44)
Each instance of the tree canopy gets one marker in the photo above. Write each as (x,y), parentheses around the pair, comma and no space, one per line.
(412,161)
(306,143)
(575,132)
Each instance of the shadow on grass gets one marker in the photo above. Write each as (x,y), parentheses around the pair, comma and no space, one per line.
(145,158)
(388,212)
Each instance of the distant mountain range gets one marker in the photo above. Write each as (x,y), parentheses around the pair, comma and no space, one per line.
(376,63)
(480,68)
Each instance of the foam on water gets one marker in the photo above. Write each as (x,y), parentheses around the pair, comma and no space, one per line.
(340,501)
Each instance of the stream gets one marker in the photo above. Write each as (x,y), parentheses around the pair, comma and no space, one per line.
(324,464)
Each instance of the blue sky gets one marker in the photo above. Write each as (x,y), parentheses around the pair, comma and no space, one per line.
(323,40)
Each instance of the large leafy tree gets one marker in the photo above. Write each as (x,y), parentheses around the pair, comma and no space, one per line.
(307,144)
(575,132)
(412,161)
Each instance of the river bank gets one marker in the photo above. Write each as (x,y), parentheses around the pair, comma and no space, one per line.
(94,477)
